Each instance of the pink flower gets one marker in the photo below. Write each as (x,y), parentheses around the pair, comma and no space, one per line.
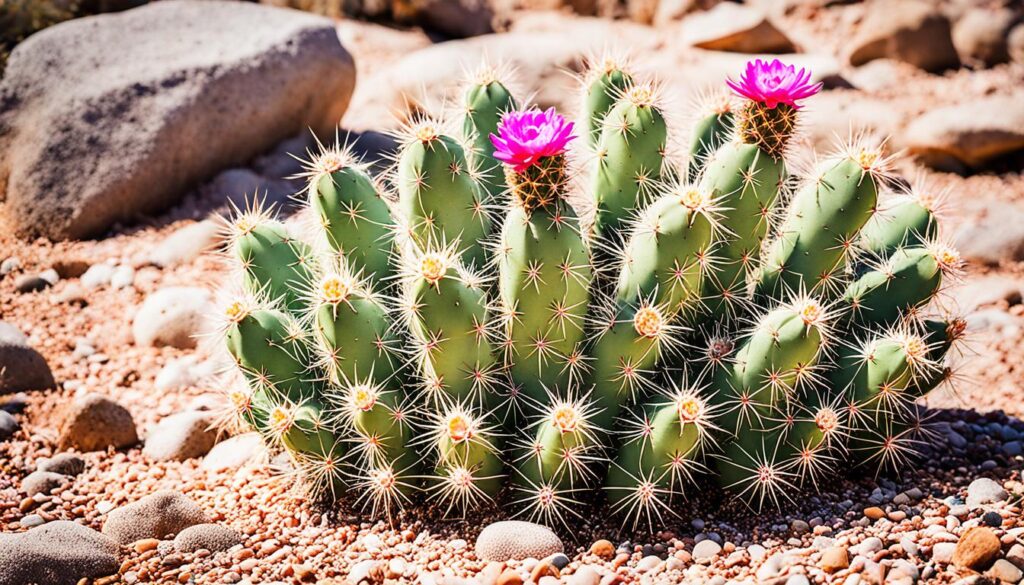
(774,83)
(526,137)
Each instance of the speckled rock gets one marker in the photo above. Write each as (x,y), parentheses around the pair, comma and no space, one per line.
(69,91)
(70,464)
(984,491)
(513,539)
(57,553)
(182,436)
(154,516)
(212,537)
(93,423)
(43,482)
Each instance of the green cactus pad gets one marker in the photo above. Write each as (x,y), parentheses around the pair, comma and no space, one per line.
(600,97)
(631,153)
(274,263)
(355,219)
(906,224)
(438,196)
(485,101)
(269,348)
(816,240)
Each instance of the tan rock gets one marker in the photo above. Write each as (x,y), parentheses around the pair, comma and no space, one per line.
(834,559)
(977,548)
(735,28)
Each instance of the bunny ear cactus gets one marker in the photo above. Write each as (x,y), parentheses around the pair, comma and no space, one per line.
(669,251)
(714,127)
(817,240)
(544,267)
(486,99)
(909,220)
(274,264)
(765,354)
(439,194)
(354,332)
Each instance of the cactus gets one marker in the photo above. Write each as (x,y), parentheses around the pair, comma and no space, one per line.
(817,240)
(606,81)
(273,263)
(544,267)
(439,194)
(630,157)
(353,217)
(385,364)
(445,309)
(713,128)
(485,100)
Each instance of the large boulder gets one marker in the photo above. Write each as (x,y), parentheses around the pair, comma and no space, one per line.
(106,117)
(972,133)
(914,31)
(21,366)
(57,553)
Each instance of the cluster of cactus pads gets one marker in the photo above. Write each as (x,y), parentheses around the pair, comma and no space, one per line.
(459,330)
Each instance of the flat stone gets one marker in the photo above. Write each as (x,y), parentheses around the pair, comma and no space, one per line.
(972,133)
(70,464)
(43,482)
(186,244)
(8,425)
(736,28)
(235,452)
(56,553)
(208,85)
(93,423)
(913,31)
(1005,571)
(212,537)
(157,515)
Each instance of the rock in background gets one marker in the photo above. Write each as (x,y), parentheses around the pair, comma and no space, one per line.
(108,117)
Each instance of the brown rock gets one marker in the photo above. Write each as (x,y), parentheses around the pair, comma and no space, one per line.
(874,513)
(834,559)
(43,482)
(212,537)
(93,423)
(603,548)
(913,31)
(735,28)
(972,133)
(977,548)
(146,544)
(980,35)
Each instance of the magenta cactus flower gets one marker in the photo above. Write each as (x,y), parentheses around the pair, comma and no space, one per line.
(526,137)
(774,83)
